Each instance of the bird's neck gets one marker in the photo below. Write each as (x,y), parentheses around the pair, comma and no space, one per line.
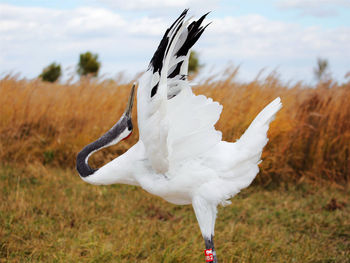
(121,170)
(121,130)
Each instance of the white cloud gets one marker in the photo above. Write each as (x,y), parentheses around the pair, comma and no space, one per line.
(318,8)
(160,4)
(254,36)
(257,42)
(31,38)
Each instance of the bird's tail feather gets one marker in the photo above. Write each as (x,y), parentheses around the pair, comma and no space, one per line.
(255,138)
(247,153)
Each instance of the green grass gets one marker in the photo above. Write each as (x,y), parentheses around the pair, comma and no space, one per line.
(50,215)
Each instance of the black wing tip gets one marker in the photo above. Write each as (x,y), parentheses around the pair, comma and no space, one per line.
(195,31)
(157,59)
(204,16)
(185,12)
(207,25)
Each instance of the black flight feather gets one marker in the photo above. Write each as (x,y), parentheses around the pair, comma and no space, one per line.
(195,30)
(157,59)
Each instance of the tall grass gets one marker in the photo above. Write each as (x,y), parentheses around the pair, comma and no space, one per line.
(310,139)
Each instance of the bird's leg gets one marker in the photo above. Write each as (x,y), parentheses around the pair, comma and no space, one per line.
(210,253)
(206,214)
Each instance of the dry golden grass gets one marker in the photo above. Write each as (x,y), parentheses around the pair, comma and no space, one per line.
(50,123)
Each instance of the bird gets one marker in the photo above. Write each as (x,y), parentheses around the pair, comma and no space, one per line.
(180,156)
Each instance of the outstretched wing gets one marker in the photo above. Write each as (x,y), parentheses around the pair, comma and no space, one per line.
(174,123)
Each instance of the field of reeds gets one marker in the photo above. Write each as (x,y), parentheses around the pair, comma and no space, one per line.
(310,138)
(298,209)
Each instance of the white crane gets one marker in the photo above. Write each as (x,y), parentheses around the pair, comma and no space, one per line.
(180,155)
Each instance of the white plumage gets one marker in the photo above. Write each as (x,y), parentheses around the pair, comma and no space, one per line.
(180,155)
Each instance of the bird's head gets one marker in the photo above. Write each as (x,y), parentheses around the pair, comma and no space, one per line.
(128,113)
(120,131)
(123,128)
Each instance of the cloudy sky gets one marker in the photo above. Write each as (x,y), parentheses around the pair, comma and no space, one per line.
(283,35)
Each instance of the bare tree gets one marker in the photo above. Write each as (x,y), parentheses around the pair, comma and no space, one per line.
(321,71)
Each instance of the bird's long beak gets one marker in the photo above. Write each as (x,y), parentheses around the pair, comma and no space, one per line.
(130,102)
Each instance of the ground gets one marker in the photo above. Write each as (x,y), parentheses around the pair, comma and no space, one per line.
(51,215)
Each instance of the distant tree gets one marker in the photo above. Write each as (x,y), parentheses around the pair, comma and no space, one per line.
(88,64)
(322,69)
(51,73)
(193,63)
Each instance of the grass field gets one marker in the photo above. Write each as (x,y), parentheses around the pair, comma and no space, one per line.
(297,210)
(50,215)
